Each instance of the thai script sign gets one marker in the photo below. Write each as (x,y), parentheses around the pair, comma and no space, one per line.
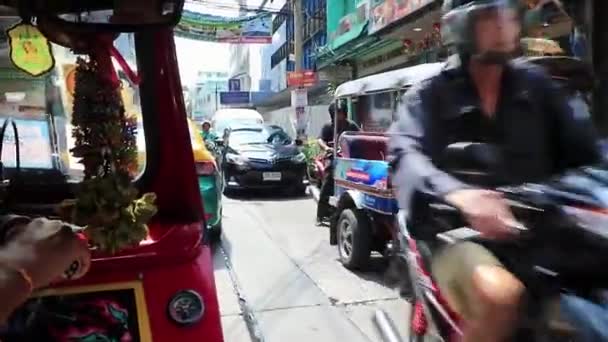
(255,29)
(306,78)
(385,12)
(234,97)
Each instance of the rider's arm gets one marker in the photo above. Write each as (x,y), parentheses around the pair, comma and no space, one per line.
(411,145)
(326,135)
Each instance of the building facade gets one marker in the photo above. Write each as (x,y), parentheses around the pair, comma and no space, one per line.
(373,36)
(205,98)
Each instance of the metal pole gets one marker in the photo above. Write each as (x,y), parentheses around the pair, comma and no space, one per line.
(216,96)
(386,327)
(297,33)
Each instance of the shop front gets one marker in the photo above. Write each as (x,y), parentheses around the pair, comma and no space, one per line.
(413,31)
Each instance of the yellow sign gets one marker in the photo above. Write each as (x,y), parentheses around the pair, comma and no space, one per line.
(30,50)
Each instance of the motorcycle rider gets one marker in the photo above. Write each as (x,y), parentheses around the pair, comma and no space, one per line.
(326,138)
(484,95)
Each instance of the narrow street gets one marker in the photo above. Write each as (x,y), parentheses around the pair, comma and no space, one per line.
(278,279)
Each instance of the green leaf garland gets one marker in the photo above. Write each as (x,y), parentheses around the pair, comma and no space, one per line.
(107,204)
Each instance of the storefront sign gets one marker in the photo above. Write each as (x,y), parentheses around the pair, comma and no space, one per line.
(306,78)
(253,30)
(234,97)
(299,98)
(385,12)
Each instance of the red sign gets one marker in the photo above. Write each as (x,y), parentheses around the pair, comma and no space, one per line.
(306,78)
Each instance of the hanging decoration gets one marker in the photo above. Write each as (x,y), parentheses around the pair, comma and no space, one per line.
(256,29)
(407,46)
(431,40)
(105,141)
(30,51)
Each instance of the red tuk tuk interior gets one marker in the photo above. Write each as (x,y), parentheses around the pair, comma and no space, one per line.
(162,289)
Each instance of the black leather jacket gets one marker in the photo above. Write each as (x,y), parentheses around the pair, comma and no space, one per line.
(533,124)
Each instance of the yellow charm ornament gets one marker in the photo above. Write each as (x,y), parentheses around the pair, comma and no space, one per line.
(30,50)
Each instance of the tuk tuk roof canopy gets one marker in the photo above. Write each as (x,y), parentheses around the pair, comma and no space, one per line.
(390,80)
(571,69)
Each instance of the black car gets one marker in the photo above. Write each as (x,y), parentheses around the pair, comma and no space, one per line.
(261,157)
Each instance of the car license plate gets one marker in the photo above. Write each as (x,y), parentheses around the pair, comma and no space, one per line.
(271,176)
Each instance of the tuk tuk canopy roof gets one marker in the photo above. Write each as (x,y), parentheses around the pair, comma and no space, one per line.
(570,69)
(396,79)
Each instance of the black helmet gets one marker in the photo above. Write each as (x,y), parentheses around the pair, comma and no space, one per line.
(333,108)
(458,25)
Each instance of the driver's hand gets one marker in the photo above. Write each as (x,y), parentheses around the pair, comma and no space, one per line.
(486,211)
(47,250)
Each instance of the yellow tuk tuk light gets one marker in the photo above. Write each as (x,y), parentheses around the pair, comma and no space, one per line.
(186,308)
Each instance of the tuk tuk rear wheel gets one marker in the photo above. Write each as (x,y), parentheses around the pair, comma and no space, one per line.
(354,239)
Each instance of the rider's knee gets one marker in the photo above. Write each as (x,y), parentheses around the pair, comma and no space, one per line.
(497,287)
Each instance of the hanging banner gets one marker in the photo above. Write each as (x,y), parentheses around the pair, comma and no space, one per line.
(248,30)
(385,12)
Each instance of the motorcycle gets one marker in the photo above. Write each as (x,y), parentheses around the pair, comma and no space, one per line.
(321,164)
(562,247)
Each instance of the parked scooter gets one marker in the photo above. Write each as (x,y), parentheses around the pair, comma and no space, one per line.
(562,246)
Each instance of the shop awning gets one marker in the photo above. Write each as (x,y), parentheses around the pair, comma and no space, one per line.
(354,33)
(352,50)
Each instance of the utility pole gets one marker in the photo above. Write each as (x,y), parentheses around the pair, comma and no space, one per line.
(301,122)
(297,33)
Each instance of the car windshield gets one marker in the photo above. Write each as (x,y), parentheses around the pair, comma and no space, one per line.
(41,107)
(259,136)
(222,125)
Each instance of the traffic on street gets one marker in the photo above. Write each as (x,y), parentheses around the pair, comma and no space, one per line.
(304,171)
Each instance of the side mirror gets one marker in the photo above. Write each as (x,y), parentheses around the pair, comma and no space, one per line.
(219,142)
(299,142)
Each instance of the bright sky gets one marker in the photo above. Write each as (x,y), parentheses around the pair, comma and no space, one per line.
(193,55)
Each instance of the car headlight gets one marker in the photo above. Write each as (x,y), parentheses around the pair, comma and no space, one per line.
(236,159)
(186,307)
(298,158)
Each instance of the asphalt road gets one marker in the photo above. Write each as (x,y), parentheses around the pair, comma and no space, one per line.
(278,279)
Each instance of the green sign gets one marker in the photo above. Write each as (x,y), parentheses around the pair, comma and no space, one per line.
(30,50)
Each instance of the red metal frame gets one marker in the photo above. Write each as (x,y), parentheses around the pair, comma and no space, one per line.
(419,321)
(173,258)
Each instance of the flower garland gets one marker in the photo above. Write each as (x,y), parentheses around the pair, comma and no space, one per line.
(107,204)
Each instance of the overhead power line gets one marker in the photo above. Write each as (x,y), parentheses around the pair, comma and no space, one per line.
(240,8)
